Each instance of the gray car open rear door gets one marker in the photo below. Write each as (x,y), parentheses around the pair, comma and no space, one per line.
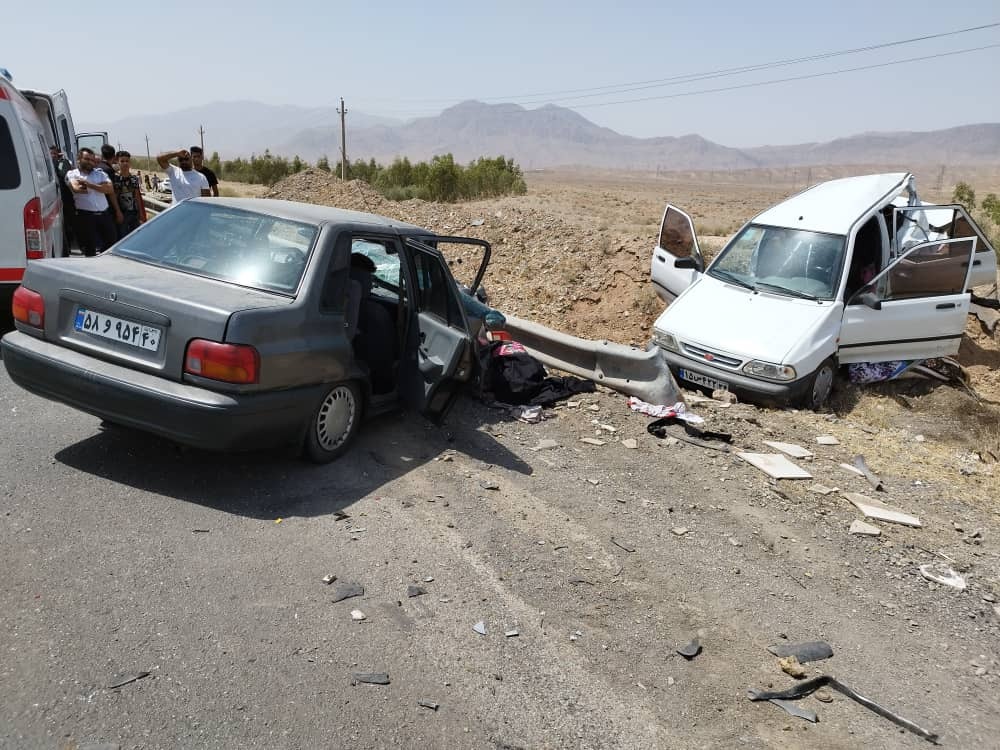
(438,356)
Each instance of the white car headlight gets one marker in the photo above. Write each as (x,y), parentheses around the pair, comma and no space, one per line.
(665,340)
(759,369)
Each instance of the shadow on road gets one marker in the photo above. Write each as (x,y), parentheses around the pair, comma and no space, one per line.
(277,484)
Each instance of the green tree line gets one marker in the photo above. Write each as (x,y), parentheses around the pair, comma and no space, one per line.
(440,179)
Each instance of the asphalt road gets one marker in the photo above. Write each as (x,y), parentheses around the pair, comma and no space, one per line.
(126,556)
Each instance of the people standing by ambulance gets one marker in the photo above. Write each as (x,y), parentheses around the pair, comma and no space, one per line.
(91,189)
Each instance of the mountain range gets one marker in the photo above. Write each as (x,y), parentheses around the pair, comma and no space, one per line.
(545,137)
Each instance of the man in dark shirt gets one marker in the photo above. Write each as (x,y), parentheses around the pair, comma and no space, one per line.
(62,166)
(198,158)
(107,166)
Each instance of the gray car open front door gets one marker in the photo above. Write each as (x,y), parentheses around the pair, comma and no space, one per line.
(439,353)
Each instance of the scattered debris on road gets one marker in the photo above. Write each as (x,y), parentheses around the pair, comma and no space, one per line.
(790,449)
(827,440)
(480,627)
(873,480)
(357,615)
(810,686)
(790,665)
(690,650)
(622,545)
(804,652)
(875,509)
(428,704)
(592,441)
(412,591)
(546,444)
(347,591)
(943,574)
(129,680)
(864,529)
(371,678)
(793,709)
(775,465)
(820,489)
(512,633)
(328,579)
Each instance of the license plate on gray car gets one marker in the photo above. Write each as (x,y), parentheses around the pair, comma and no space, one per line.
(117,329)
(703,380)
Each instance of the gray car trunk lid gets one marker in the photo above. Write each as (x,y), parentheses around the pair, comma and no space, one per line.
(164,307)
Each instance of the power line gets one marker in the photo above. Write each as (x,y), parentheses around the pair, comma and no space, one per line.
(706,75)
(790,78)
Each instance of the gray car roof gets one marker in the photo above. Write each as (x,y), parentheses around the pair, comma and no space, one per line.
(312,213)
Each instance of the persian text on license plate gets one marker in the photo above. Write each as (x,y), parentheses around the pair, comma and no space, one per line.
(698,379)
(117,329)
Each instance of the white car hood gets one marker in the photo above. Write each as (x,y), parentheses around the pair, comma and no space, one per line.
(729,318)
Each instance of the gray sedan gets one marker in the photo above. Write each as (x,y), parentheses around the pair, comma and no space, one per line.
(232,324)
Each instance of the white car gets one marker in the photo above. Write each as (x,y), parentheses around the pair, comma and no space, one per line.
(850,270)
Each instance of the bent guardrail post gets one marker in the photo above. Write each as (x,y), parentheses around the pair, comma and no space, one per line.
(635,372)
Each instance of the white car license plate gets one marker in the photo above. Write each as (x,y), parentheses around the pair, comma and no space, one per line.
(117,329)
(698,379)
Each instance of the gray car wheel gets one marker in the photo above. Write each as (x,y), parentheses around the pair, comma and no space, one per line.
(820,385)
(334,423)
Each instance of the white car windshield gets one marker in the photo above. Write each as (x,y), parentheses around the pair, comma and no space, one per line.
(794,262)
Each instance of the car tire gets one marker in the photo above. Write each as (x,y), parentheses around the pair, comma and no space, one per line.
(334,423)
(820,385)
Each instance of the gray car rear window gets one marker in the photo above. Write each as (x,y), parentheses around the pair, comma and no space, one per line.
(10,173)
(242,247)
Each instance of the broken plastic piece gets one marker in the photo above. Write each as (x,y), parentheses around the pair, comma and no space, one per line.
(372,678)
(328,579)
(827,440)
(941,573)
(795,451)
(874,509)
(864,529)
(794,710)
(348,590)
(775,465)
(412,591)
(690,650)
(512,633)
(357,615)
(810,686)
(480,627)
(428,704)
(804,652)
(874,481)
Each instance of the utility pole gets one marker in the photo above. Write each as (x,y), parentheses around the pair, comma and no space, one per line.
(148,157)
(201,136)
(343,141)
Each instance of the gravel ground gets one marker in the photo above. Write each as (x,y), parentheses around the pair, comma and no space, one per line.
(126,555)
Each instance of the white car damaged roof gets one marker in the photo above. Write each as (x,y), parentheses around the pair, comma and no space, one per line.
(833,207)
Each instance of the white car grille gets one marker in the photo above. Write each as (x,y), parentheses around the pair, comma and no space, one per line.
(713,356)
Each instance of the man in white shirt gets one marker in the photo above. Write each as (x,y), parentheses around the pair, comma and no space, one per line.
(91,187)
(185,181)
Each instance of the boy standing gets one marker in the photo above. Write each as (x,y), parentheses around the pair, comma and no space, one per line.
(129,195)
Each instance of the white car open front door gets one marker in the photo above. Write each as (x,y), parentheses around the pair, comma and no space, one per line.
(914,309)
(677,260)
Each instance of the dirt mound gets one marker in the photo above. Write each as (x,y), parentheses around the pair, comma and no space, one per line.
(577,275)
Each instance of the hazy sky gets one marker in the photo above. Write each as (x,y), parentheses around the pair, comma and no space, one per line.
(406,59)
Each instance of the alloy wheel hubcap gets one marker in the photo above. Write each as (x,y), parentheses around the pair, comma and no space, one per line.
(335,418)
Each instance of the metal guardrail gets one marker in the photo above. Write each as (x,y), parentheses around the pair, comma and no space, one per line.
(635,372)
(154,206)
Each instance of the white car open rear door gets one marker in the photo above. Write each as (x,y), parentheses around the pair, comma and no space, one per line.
(65,133)
(677,259)
(914,309)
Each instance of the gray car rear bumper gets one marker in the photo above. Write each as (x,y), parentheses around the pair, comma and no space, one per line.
(177,411)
